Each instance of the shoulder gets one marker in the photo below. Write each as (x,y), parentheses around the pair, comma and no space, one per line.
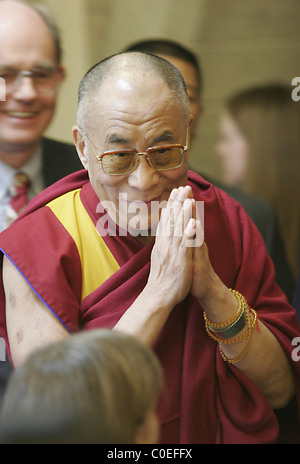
(59,160)
(51,145)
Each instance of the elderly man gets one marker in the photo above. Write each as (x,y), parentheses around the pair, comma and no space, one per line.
(30,72)
(65,268)
(259,211)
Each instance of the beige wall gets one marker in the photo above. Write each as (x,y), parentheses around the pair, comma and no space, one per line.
(239,43)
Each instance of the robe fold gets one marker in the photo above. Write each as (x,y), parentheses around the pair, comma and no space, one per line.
(89,278)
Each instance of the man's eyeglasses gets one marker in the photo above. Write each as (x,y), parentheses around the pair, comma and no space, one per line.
(45,79)
(122,162)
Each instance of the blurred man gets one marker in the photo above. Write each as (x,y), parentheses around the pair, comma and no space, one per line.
(30,66)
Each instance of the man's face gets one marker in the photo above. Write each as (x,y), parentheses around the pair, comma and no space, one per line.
(133,116)
(25,44)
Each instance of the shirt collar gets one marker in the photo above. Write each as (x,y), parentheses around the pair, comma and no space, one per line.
(33,169)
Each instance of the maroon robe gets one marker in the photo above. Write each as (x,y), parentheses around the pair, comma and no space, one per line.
(206,400)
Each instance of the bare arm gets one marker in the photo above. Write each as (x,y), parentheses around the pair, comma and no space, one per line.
(30,323)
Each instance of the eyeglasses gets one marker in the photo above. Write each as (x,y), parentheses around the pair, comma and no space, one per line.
(45,79)
(122,162)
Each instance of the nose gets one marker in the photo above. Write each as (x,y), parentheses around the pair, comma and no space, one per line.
(144,177)
(25,89)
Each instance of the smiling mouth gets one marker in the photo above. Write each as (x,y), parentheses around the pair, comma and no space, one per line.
(20,114)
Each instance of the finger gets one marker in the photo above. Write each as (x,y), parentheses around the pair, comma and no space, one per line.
(194,234)
(190,229)
(173,219)
(199,238)
(183,217)
(184,193)
(170,214)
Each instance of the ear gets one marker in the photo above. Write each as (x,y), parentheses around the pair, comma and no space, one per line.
(80,146)
(63,73)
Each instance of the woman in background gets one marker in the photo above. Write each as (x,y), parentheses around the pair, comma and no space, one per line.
(259,148)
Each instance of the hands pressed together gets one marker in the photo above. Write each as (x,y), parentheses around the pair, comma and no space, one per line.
(180,261)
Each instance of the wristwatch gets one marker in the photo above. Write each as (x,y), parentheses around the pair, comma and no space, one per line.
(232,330)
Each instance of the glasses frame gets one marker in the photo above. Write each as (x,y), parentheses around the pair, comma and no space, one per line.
(146,153)
(26,73)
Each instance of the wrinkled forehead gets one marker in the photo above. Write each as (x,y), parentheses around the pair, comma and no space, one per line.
(132,86)
(136,98)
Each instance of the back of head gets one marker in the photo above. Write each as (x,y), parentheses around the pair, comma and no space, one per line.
(94,387)
(165,47)
(141,66)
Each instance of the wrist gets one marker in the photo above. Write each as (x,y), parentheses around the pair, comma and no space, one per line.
(219,304)
(232,331)
(158,299)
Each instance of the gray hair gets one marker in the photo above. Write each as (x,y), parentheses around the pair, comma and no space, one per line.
(93,387)
(91,82)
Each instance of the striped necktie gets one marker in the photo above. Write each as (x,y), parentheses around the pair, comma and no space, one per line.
(19,196)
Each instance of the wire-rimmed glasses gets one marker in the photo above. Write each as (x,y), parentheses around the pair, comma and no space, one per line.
(123,162)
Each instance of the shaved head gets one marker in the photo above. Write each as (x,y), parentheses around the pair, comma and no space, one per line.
(134,72)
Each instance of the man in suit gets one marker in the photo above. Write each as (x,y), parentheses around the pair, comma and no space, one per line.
(30,64)
(259,211)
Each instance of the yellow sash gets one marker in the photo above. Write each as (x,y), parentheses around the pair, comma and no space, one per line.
(97,261)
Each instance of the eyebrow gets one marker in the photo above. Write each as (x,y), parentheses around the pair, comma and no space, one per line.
(41,65)
(166,136)
(118,139)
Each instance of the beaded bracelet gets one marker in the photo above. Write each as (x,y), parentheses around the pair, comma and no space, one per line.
(246,347)
(242,309)
(219,325)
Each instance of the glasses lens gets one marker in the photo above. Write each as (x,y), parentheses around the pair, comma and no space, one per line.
(166,158)
(9,77)
(119,163)
(45,80)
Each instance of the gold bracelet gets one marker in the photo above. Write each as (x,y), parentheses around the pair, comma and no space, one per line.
(213,328)
(220,325)
(234,338)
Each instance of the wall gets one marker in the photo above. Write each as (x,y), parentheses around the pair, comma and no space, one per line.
(239,43)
